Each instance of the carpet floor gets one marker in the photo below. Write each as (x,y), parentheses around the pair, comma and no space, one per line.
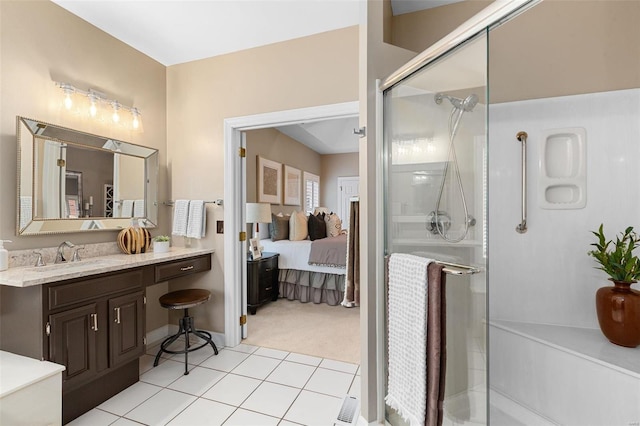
(320,330)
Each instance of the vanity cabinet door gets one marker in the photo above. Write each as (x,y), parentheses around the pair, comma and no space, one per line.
(73,342)
(126,328)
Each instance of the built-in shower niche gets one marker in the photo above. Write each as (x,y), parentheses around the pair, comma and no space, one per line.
(563,177)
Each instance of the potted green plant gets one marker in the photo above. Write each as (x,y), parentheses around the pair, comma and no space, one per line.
(618,307)
(161,243)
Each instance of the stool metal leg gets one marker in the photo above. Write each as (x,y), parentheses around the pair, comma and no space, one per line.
(186,327)
(186,322)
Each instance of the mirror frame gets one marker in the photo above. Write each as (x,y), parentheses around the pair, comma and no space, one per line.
(33,226)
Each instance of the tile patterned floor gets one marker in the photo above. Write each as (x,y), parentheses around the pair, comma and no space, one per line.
(244,385)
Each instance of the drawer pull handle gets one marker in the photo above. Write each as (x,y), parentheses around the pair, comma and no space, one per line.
(268,270)
(186,268)
(94,322)
(117,311)
(267,289)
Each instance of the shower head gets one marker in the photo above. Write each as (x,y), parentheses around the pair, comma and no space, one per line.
(466,104)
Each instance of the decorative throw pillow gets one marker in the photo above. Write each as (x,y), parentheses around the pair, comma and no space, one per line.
(334,225)
(279,227)
(317,227)
(298,226)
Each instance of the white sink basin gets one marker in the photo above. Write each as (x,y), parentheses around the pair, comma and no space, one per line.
(73,266)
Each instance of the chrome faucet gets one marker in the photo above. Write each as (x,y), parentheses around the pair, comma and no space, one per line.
(60,254)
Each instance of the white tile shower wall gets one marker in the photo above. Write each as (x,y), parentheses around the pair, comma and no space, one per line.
(545,275)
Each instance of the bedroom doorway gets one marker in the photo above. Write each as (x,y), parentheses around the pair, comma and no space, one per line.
(235,255)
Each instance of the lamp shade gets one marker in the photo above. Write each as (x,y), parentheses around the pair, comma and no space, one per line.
(258,213)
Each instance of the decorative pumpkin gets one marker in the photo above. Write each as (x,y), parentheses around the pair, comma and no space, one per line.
(134,240)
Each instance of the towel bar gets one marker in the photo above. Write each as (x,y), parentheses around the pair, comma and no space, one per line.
(170,203)
(457,269)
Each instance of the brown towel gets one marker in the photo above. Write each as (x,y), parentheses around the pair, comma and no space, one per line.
(352,290)
(436,344)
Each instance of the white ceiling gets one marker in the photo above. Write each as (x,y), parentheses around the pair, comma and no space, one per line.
(174,32)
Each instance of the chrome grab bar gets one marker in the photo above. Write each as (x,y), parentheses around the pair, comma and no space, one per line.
(457,269)
(522,226)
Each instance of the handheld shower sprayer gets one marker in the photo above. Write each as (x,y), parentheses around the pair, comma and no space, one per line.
(466,104)
(439,222)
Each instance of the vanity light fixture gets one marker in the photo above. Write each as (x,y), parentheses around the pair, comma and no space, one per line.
(97,106)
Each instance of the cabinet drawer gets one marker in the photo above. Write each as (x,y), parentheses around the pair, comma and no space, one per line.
(179,268)
(64,295)
(268,265)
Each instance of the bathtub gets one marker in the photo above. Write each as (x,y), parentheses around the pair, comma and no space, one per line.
(546,374)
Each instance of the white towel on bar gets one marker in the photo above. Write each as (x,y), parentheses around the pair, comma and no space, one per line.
(126,208)
(197,222)
(138,208)
(407,390)
(26,211)
(180,217)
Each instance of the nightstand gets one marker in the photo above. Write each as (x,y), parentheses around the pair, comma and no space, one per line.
(262,280)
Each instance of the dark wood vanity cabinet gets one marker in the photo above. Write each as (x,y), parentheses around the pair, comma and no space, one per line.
(94,326)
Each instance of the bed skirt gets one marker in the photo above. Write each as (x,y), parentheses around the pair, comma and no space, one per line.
(315,287)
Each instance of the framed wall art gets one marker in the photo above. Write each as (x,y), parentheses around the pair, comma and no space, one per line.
(269,181)
(292,184)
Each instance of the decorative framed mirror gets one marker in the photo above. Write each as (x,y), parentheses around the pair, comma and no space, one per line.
(71,181)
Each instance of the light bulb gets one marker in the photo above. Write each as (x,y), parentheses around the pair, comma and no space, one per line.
(116,116)
(93,108)
(68,103)
(136,122)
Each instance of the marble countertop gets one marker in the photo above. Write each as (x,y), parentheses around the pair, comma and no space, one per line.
(26,276)
(18,372)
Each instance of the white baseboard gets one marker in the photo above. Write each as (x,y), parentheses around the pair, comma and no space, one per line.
(158,335)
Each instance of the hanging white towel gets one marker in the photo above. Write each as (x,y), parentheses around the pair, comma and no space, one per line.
(180,217)
(197,222)
(126,208)
(138,208)
(408,336)
(25,211)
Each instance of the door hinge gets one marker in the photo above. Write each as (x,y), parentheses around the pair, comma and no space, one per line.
(242,152)
(47,329)
(61,162)
(243,320)
(144,300)
(144,340)
(242,236)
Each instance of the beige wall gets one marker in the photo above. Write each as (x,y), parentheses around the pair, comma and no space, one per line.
(418,30)
(310,71)
(276,146)
(333,167)
(557,48)
(41,43)
(563,48)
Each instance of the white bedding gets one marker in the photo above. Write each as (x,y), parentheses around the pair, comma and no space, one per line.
(295,255)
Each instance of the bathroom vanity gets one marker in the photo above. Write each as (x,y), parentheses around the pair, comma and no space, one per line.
(88,316)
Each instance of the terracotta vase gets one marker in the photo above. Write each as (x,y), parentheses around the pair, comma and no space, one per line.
(618,310)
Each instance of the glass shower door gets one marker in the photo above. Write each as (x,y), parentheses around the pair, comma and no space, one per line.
(435,127)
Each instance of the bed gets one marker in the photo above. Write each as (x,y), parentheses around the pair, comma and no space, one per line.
(322,281)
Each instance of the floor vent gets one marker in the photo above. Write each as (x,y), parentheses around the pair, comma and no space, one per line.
(349,412)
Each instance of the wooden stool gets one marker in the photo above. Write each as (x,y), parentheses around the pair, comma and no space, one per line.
(185,299)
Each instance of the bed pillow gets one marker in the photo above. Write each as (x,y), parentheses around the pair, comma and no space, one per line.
(298,230)
(279,228)
(317,227)
(334,225)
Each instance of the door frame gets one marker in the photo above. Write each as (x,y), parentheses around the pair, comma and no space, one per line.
(235,256)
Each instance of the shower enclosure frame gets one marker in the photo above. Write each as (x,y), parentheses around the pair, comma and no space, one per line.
(493,15)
